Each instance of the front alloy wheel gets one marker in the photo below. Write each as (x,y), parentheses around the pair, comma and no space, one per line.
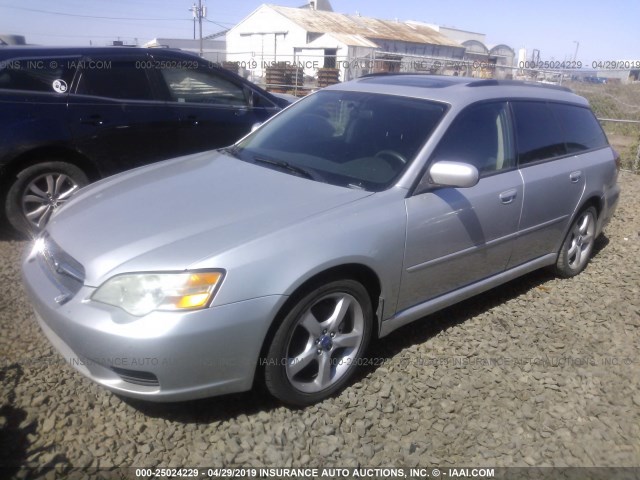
(38,191)
(319,344)
(578,244)
(44,194)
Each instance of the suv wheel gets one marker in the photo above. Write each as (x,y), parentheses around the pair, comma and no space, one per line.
(578,244)
(320,343)
(38,190)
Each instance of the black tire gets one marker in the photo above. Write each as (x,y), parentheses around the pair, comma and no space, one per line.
(57,180)
(305,383)
(578,244)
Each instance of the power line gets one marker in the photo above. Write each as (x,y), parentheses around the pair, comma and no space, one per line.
(222,25)
(92,16)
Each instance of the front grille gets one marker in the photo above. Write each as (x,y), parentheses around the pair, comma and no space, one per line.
(146,379)
(65,270)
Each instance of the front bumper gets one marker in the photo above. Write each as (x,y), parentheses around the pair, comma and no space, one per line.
(163,356)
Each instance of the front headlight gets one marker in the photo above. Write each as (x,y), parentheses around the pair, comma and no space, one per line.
(142,293)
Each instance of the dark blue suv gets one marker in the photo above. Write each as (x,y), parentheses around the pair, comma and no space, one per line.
(74,115)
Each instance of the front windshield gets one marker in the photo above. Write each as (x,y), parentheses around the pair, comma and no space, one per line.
(352,139)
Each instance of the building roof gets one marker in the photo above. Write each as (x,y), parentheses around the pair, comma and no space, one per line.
(475,46)
(316,21)
(344,38)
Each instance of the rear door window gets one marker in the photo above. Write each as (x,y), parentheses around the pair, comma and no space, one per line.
(581,128)
(539,135)
(120,79)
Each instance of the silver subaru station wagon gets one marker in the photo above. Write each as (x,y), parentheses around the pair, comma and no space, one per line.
(359,209)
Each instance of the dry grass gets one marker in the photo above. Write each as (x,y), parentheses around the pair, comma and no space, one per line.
(616,102)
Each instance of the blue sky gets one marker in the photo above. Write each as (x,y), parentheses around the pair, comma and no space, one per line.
(606,30)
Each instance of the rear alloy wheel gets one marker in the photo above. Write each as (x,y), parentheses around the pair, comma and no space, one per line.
(38,191)
(578,244)
(320,343)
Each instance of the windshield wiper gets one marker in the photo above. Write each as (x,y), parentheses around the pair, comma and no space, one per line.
(287,166)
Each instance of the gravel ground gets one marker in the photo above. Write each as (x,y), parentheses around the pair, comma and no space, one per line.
(540,372)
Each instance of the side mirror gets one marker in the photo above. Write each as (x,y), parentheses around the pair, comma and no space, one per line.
(453,174)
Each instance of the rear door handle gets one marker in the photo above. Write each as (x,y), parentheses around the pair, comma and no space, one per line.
(95,120)
(508,196)
(193,120)
(575,176)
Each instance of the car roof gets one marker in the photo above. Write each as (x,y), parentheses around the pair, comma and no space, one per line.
(18,51)
(458,90)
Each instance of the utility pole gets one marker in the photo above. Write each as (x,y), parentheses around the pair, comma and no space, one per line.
(198,13)
(194,10)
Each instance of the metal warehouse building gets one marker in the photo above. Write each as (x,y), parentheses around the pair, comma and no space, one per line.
(315,37)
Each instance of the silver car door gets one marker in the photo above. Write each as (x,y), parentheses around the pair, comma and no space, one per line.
(457,236)
(554,181)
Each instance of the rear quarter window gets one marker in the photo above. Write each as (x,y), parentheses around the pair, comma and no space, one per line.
(39,74)
(581,129)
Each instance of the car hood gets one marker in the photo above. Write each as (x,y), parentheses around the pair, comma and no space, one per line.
(176,213)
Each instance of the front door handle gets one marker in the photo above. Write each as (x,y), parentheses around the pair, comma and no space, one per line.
(575,176)
(508,196)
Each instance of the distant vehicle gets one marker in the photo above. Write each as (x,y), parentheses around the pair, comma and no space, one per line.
(359,209)
(594,79)
(74,115)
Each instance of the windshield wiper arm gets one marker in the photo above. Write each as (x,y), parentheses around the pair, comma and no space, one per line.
(233,150)
(287,166)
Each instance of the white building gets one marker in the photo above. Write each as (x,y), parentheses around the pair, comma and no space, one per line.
(315,37)
(213,49)
(8,39)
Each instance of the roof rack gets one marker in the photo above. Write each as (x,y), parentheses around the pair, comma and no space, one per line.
(400,74)
(516,83)
(470,82)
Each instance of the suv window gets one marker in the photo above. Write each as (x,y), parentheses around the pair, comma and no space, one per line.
(538,132)
(200,86)
(581,128)
(37,74)
(115,79)
(481,136)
